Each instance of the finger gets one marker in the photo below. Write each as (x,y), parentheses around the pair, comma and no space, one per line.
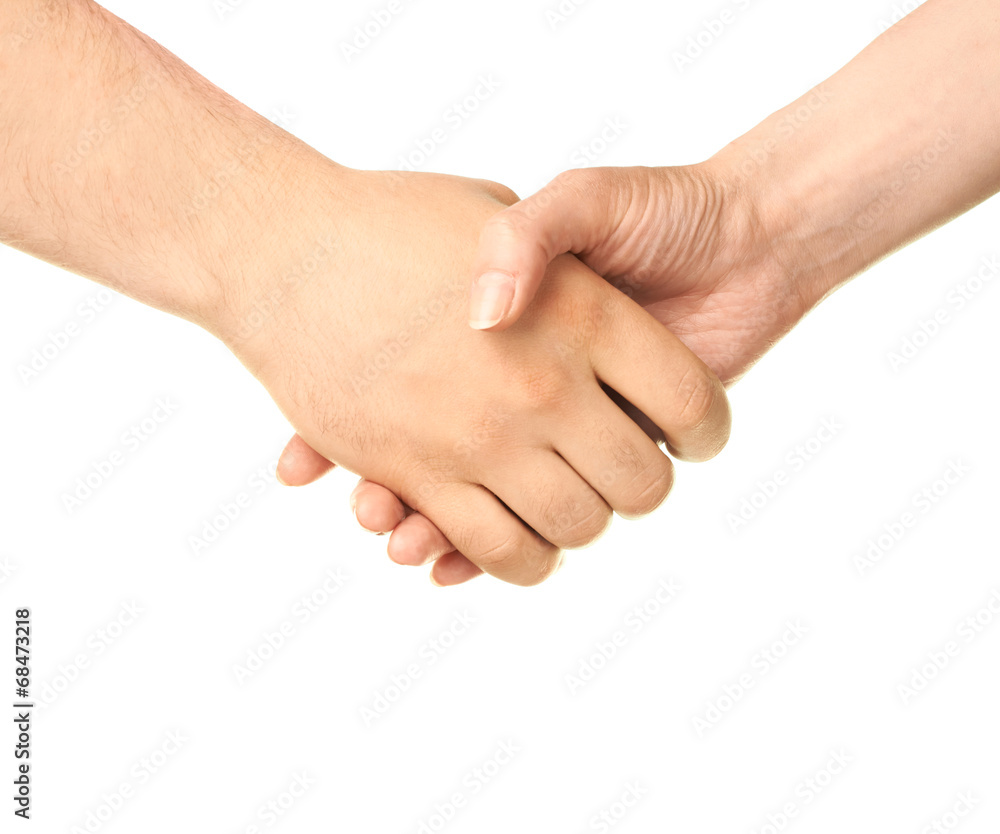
(616,457)
(300,464)
(376,508)
(547,493)
(649,428)
(574,212)
(417,541)
(653,370)
(453,569)
(488,534)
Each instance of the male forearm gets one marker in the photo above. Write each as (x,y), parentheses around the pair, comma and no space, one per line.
(903,139)
(121,163)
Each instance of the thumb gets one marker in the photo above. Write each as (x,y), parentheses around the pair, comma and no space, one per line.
(300,464)
(573,213)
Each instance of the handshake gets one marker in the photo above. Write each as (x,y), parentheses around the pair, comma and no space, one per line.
(608,312)
(494,447)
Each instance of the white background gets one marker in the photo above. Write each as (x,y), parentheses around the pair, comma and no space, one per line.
(505,679)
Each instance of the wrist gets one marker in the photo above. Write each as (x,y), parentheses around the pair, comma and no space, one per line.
(801,235)
(283,229)
(762,244)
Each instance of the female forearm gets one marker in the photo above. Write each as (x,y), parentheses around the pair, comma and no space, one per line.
(898,142)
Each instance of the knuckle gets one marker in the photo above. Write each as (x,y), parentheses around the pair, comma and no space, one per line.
(541,560)
(545,390)
(496,556)
(648,488)
(580,320)
(499,192)
(573,180)
(591,184)
(513,222)
(626,458)
(580,523)
(697,393)
(520,558)
(538,389)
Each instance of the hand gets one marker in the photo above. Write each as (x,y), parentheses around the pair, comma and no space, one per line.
(370,361)
(687,243)
(343,292)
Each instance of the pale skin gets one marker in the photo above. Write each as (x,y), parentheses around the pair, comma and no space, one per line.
(344,293)
(732,253)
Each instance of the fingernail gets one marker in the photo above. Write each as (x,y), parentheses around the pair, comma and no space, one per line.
(490,299)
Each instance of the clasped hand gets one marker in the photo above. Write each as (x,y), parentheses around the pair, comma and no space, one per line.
(503,448)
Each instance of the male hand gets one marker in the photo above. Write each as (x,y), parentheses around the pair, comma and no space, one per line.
(371,362)
(686,243)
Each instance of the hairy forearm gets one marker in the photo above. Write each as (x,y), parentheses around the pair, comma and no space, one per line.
(121,163)
(903,139)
